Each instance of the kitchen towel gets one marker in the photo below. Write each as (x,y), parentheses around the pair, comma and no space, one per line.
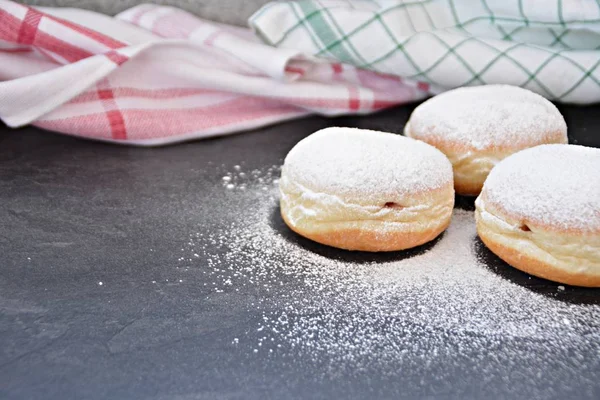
(551,47)
(154,75)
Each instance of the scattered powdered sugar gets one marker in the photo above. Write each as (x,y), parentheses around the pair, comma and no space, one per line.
(344,161)
(358,310)
(260,179)
(555,185)
(481,117)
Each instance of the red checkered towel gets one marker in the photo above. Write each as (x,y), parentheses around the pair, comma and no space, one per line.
(155,75)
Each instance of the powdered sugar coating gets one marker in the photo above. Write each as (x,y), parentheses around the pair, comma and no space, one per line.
(554,185)
(484,117)
(356,163)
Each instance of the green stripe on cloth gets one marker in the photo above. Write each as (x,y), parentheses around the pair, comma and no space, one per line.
(327,36)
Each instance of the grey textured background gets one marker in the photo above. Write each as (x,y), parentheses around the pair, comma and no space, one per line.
(227,11)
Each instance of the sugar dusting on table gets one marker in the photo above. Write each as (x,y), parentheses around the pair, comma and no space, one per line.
(371,312)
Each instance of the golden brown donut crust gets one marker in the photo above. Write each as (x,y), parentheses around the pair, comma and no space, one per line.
(534,266)
(371,240)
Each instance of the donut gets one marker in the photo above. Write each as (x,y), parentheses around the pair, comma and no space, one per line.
(539,211)
(476,127)
(365,190)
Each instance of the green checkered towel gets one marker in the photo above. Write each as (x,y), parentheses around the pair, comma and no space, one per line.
(551,47)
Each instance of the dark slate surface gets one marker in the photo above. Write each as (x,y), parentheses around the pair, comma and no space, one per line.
(75,212)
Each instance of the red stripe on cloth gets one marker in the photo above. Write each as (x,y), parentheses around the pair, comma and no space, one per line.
(354,100)
(117,125)
(105,94)
(423,86)
(39,38)
(30,34)
(96,36)
(117,58)
(394,78)
(60,47)
(29,27)
(113,114)
(294,70)
(9,27)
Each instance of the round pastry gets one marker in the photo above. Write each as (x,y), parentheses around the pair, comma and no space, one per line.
(539,211)
(476,127)
(365,190)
